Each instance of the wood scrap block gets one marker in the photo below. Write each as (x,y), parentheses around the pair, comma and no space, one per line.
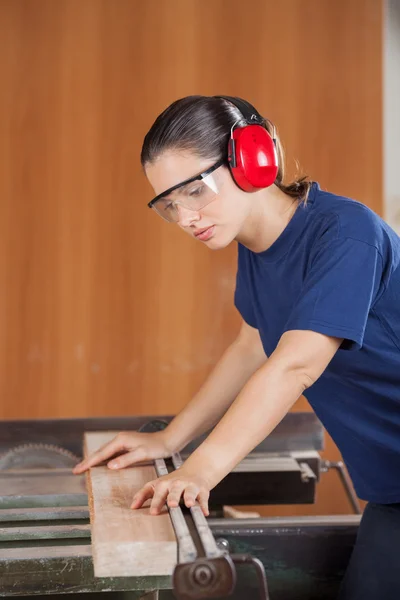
(126,542)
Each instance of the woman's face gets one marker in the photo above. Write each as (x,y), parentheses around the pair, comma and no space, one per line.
(217,223)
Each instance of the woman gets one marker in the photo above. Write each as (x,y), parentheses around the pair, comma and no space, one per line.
(318,288)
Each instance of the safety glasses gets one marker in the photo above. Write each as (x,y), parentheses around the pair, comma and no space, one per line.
(193,193)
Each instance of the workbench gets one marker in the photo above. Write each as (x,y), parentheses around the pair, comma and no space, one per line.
(45,537)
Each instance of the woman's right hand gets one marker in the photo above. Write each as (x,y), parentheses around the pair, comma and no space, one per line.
(131,447)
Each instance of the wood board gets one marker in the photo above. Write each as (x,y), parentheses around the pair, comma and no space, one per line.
(126,542)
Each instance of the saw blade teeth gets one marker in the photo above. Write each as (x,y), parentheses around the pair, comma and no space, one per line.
(50,447)
(28,448)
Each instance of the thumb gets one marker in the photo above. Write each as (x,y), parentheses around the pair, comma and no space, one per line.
(130,458)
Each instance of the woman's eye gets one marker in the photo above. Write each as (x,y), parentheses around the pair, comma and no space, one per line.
(196,191)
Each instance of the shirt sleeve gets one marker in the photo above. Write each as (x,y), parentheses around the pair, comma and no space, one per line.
(339,290)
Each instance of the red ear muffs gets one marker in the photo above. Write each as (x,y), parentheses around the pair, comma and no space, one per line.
(252,158)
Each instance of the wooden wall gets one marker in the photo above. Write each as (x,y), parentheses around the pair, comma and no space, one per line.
(104,308)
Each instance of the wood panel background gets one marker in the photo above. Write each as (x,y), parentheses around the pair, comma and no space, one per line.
(104,308)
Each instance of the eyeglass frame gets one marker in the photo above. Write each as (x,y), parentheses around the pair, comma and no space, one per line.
(202,175)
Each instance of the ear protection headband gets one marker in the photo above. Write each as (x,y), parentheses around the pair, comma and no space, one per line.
(252,155)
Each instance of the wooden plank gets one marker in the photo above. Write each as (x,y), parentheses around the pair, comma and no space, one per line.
(126,542)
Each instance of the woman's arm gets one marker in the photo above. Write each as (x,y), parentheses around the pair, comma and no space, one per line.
(298,361)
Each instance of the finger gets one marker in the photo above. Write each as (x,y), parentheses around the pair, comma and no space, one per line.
(106,451)
(127,459)
(175,494)
(190,495)
(203,501)
(142,495)
(159,499)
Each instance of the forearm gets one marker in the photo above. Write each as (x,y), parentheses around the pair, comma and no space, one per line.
(231,373)
(260,406)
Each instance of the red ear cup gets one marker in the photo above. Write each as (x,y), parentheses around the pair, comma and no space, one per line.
(252,158)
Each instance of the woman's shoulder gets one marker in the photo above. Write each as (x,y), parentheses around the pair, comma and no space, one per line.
(342,217)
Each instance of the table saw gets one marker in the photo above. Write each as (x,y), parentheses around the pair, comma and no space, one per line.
(45,529)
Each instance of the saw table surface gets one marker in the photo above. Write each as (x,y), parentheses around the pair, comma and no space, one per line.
(47,550)
(304,557)
(30,482)
(45,533)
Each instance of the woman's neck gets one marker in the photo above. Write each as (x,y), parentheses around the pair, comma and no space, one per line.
(270,213)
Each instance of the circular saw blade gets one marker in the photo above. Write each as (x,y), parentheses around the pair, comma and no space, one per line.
(37,456)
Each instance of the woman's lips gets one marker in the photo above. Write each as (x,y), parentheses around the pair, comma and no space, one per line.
(205,234)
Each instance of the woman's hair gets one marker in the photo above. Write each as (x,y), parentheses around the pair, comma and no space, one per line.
(202,124)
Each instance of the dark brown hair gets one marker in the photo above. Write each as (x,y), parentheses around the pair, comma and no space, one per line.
(202,124)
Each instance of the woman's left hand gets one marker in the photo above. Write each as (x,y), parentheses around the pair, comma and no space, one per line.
(170,488)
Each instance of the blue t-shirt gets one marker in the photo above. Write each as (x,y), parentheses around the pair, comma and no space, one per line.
(335,269)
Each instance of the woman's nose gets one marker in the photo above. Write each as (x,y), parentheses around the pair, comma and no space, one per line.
(186,216)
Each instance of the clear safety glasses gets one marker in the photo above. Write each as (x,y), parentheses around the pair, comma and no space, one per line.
(193,193)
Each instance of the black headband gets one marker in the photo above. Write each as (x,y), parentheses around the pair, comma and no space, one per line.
(250,114)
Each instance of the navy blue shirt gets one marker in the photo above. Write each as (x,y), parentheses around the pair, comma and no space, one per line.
(335,269)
